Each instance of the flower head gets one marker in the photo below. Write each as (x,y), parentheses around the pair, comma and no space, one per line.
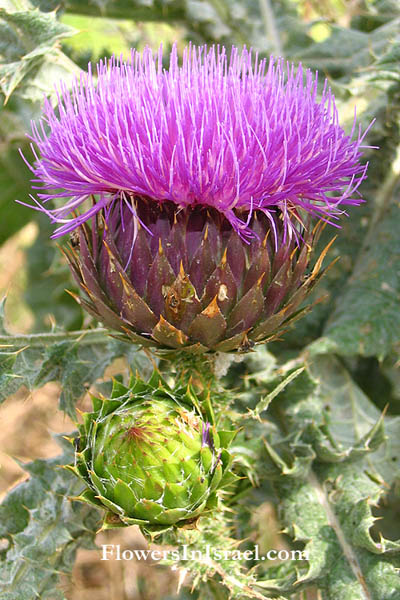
(236,135)
(186,280)
(143,457)
(203,180)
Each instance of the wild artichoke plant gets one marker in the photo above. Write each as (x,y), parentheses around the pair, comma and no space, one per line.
(191,194)
(149,458)
(203,179)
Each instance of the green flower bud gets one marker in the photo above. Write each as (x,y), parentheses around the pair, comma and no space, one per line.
(149,458)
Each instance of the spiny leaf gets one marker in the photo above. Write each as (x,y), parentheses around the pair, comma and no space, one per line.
(34,360)
(77,366)
(214,534)
(330,458)
(44,530)
(264,403)
(34,28)
(29,41)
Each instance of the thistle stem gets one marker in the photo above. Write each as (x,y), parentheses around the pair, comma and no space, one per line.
(84,336)
(197,369)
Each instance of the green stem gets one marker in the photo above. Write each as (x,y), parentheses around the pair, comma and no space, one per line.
(199,370)
(84,336)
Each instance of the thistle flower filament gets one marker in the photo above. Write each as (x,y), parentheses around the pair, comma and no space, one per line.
(238,135)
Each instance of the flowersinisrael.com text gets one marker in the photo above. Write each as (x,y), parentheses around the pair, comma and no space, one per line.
(114,552)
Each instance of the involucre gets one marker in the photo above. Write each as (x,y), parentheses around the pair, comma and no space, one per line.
(187,280)
(149,458)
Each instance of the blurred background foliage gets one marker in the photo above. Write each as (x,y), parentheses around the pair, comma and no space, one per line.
(354,43)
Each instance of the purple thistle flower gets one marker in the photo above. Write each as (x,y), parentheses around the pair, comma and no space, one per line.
(237,135)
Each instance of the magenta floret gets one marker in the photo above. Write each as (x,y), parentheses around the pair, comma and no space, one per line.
(236,134)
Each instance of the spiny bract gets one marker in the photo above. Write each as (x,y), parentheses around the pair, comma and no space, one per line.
(189,281)
(149,458)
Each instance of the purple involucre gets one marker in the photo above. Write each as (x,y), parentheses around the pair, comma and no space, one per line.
(238,134)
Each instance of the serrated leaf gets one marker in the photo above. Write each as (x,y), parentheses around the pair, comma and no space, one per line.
(69,358)
(34,27)
(45,530)
(325,499)
(30,41)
